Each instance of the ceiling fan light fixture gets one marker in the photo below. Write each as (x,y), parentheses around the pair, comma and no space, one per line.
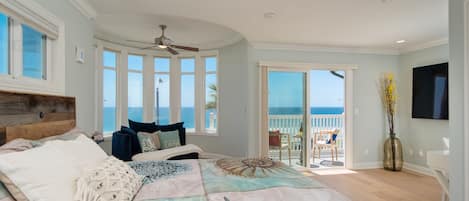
(162,45)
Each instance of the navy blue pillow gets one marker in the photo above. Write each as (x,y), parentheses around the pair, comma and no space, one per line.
(143,127)
(173,127)
(135,145)
(121,146)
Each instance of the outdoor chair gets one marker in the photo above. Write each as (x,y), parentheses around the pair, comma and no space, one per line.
(277,142)
(325,139)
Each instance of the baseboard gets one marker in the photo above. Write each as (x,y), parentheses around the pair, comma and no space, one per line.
(419,169)
(368,165)
(407,166)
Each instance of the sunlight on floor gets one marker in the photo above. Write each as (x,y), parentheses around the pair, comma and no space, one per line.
(333,171)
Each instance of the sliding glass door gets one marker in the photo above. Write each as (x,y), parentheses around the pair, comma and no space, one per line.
(286,115)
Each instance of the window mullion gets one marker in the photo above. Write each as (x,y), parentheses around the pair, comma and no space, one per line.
(122,88)
(175,89)
(148,88)
(99,91)
(199,94)
(17,49)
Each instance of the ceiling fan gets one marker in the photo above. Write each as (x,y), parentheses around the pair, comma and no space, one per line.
(166,43)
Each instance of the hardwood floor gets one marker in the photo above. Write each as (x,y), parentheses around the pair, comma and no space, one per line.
(381,185)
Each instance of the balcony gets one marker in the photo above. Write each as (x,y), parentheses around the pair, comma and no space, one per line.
(291,124)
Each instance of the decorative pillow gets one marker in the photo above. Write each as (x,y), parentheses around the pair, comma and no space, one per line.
(172,127)
(111,180)
(38,173)
(16,146)
(149,141)
(145,127)
(167,154)
(169,139)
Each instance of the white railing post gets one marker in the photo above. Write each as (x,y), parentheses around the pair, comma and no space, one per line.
(212,121)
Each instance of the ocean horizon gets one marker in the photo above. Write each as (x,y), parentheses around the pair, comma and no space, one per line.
(187,113)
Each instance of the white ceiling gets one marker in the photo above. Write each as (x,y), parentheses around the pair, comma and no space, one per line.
(330,23)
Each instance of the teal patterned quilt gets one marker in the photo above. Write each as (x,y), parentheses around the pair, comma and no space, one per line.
(227,180)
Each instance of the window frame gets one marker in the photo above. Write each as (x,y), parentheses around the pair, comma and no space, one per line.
(40,19)
(141,72)
(205,86)
(168,73)
(149,85)
(100,74)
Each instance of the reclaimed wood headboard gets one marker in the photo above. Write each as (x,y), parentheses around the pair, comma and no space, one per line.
(34,116)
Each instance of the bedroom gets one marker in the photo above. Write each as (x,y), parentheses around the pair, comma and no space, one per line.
(240,45)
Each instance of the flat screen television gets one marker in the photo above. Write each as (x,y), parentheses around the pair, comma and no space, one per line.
(430,92)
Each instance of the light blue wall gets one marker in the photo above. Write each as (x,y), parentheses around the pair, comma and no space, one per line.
(79,78)
(419,135)
(233,88)
(369,124)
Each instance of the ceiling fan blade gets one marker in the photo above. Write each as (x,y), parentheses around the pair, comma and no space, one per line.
(149,47)
(186,48)
(172,51)
(143,42)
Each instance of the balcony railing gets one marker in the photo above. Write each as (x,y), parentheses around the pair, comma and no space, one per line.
(291,124)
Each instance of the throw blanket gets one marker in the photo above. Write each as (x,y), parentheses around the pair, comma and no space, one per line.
(227,180)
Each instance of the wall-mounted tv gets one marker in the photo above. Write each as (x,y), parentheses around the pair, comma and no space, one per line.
(430,92)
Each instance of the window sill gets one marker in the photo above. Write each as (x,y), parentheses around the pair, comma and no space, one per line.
(206,133)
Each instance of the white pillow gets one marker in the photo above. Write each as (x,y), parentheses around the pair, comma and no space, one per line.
(166,154)
(49,172)
(111,180)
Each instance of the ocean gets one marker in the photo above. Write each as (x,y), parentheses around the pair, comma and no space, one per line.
(136,114)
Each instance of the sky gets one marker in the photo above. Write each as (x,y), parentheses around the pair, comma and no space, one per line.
(286,89)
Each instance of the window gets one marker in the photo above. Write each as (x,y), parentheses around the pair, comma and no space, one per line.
(179,89)
(211,93)
(109,91)
(4,44)
(188,92)
(162,102)
(135,88)
(32,58)
(34,53)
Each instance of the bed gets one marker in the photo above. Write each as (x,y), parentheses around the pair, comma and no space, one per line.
(228,179)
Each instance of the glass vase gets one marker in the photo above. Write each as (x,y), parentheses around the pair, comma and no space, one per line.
(393,156)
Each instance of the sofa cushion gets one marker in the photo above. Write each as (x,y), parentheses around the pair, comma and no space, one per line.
(143,127)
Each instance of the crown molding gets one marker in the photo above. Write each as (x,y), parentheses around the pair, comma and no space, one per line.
(313,48)
(112,38)
(421,46)
(85,8)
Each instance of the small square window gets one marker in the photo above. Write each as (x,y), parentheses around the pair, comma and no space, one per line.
(135,62)
(162,65)
(187,65)
(109,59)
